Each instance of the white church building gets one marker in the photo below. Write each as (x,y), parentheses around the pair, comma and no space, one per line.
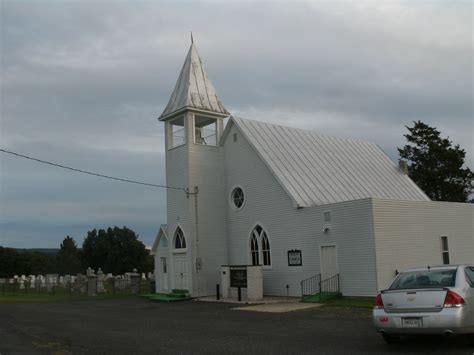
(301,204)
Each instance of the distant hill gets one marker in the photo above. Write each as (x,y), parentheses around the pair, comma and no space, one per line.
(47,251)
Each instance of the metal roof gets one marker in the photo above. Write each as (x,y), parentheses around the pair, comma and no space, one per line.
(193,89)
(316,169)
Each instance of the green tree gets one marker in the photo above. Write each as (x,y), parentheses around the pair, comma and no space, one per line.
(8,261)
(35,263)
(116,250)
(22,262)
(435,165)
(68,259)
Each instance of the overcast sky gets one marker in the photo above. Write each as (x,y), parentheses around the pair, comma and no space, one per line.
(83,82)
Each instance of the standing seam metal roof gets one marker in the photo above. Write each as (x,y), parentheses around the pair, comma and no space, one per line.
(193,89)
(315,169)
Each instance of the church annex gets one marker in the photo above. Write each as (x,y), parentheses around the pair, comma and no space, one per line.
(300,204)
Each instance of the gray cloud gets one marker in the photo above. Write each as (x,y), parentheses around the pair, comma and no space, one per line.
(83,83)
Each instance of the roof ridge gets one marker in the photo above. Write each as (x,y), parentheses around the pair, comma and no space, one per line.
(322,135)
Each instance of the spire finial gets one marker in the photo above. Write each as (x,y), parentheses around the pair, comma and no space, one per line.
(192,40)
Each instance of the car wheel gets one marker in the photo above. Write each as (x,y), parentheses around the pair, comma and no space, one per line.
(390,339)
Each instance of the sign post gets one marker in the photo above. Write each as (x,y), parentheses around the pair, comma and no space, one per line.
(238,276)
(235,278)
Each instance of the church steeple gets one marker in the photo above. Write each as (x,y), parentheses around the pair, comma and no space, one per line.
(193,90)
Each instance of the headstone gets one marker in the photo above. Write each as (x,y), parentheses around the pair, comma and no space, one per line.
(92,285)
(79,283)
(52,278)
(38,283)
(32,281)
(49,283)
(134,282)
(100,281)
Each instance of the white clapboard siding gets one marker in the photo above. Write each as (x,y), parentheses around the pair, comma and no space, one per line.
(179,208)
(206,170)
(408,234)
(267,204)
(188,166)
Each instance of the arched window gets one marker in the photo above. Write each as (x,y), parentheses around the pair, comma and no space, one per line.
(265,249)
(259,238)
(254,248)
(179,240)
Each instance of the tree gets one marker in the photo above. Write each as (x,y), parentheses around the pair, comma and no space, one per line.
(116,250)
(22,262)
(68,260)
(9,260)
(435,165)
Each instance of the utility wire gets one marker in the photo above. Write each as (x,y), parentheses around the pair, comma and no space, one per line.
(91,173)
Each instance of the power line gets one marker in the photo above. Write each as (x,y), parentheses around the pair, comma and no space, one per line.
(90,172)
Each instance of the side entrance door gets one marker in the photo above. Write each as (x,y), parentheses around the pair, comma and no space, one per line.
(328,261)
(164,274)
(180,272)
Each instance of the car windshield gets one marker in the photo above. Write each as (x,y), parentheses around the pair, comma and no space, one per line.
(424,279)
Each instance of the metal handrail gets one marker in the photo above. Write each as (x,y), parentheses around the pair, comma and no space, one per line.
(329,285)
(311,285)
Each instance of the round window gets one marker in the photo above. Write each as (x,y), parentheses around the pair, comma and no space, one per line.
(238,197)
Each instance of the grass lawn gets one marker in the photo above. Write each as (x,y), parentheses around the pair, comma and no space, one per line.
(363,302)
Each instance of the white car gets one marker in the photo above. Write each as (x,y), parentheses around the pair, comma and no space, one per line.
(430,300)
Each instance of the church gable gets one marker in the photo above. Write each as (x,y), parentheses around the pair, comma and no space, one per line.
(160,238)
(315,170)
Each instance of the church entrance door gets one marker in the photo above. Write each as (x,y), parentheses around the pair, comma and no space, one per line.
(180,272)
(164,274)
(328,261)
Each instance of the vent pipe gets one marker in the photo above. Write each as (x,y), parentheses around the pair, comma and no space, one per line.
(403,166)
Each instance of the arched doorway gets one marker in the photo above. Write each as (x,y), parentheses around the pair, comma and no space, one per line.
(180,260)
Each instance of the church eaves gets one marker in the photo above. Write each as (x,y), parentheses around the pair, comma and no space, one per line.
(193,90)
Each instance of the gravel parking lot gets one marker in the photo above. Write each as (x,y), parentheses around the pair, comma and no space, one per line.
(137,326)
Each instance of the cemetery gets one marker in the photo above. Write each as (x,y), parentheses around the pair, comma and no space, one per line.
(92,284)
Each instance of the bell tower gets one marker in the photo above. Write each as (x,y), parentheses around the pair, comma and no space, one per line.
(194,122)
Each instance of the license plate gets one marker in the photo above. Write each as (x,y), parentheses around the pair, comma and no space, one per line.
(412,322)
